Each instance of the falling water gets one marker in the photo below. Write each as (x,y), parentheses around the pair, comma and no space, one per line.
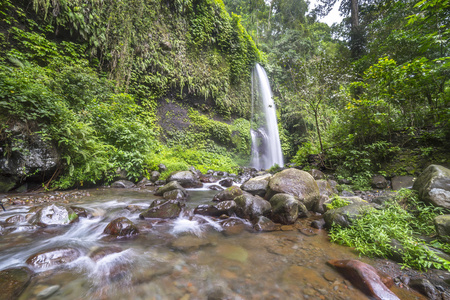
(266,146)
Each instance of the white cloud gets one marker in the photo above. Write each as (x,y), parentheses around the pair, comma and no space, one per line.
(332,17)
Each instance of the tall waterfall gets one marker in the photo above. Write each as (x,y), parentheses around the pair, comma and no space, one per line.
(266,146)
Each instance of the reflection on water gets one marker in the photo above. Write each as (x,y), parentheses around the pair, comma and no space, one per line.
(186,258)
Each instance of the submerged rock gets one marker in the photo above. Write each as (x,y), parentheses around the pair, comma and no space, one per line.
(54,214)
(366,278)
(232,226)
(167,210)
(98,253)
(296,183)
(53,257)
(433,186)
(121,227)
(257,185)
(14,281)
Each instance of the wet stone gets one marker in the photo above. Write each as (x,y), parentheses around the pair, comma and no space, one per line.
(81,212)
(53,257)
(46,293)
(262,223)
(232,226)
(227,182)
(215,188)
(16,219)
(167,210)
(14,281)
(121,227)
(189,243)
(98,253)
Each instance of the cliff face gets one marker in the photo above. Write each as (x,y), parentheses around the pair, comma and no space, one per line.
(113,70)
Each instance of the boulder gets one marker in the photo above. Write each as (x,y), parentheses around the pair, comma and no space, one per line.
(263,224)
(53,257)
(402,182)
(54,214)
(257,185)
(226,207)
(154,176)
(14,281)
(162,168)
(317,175)
(7,183)
(379,182)
(177,194)
(187,179)
(232,226)
(318,224)
(433,186)
(349,200)
(122,184)
(144,183)
(249,206)
(325,188)
(121,227)
(442,224)
(169,209)
(29,156)
(296,183)
(173,185)
(285,209)
(425,287)
(344,216)
(228,194)
(207,210)
(366,278)
(227,182)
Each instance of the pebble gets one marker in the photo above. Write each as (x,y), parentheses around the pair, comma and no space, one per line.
(48,292)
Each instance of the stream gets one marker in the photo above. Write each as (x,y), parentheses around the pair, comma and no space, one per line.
(191,257)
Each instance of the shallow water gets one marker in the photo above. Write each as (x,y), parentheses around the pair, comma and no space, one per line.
(186,258)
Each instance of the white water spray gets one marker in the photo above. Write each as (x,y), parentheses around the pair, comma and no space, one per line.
(266,146)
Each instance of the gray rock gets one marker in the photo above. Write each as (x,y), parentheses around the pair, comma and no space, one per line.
(344,216)
(207,210)
(173,185)
(54,214)
(433,186)
(227,182)
(144,183)
(167,210)
(154,176)
(226,207)
(215,188)
(442,224)
(257,185)
(187,179)
(249,206)
(325,188)
(402,182)
(285,208)
(296,183)
(177,194)
(122,184)
(379,182)
(425,287)
(7,183)
(162,168)
(319,224)
(316,174)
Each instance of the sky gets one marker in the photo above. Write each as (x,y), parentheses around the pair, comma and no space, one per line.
(333,16)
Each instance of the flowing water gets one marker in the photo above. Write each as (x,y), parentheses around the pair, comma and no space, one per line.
(266,146)
(191,257)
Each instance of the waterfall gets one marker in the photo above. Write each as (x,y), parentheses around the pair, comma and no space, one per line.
(266,146)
